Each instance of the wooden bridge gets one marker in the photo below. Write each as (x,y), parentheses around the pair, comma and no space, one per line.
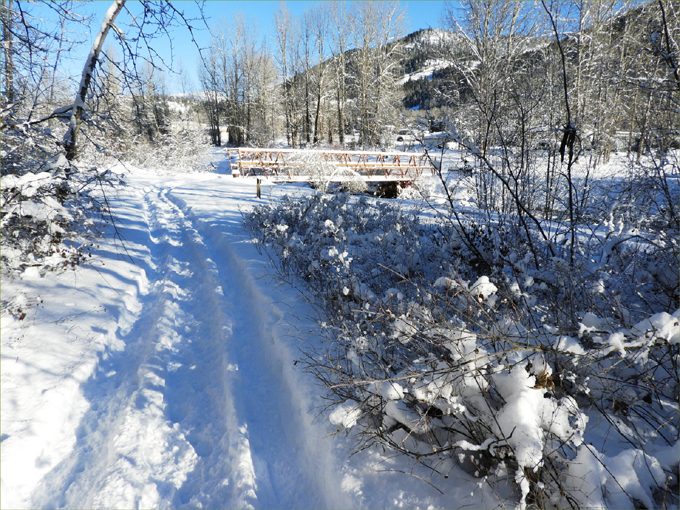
(330,165)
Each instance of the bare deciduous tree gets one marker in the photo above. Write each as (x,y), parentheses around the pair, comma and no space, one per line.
(375,28)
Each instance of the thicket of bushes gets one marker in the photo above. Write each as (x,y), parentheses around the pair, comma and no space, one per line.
(446,342)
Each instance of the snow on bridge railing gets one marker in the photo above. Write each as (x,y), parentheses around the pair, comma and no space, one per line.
(299,164)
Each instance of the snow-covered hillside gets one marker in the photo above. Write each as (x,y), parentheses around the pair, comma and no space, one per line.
(426,71)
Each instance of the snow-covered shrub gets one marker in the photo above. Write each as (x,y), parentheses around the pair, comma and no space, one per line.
(49,220)
(354,184)
(183,150)
(50,208)
(323,234)
(455,362)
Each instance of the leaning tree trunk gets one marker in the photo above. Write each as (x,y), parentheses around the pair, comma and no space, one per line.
(9,59)
(70,138)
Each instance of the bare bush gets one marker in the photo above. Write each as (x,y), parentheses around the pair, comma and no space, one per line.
(432,358)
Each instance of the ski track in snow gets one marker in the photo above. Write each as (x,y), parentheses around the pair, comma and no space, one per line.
(198,410)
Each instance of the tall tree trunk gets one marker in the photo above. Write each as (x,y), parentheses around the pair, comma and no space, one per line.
(316,117)
(9,60)
(341,122)
(308,120)
(71,136)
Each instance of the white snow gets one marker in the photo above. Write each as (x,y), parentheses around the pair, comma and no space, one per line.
(426,71)
(483,288)
(346,414)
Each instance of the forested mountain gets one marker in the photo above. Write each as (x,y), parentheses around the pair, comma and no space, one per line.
(504,60)
(607,62)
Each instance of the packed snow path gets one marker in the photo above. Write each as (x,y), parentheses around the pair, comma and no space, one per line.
(198,410)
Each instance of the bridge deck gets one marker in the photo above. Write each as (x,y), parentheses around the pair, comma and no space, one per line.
(296,165)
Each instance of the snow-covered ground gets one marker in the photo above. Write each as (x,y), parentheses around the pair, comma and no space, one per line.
(162,373)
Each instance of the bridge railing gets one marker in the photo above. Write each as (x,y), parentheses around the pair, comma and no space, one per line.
(297,164)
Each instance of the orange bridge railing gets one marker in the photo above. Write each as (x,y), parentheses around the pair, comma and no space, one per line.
(300,165)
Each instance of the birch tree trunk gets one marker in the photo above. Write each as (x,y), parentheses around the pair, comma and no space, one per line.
(8,50)
(71,136)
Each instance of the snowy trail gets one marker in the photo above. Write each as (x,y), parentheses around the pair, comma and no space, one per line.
(163,375)
(198,410)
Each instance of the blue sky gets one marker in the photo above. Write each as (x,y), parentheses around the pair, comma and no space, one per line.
(419,14)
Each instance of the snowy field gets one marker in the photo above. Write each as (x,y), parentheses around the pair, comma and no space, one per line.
(162,373)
